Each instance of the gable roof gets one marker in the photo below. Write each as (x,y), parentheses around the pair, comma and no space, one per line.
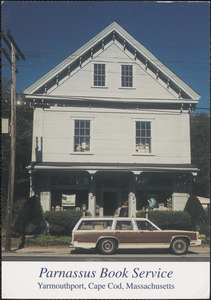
(113,31)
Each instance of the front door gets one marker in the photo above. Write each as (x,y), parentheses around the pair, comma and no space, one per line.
(109,203)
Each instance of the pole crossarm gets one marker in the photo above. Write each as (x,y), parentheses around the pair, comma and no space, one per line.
(9,46)
(15,45)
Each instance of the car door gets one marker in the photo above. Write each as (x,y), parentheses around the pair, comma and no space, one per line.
(148,234)
(125,233)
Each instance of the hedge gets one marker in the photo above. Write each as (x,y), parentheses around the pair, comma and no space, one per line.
(47,240)
(61,223)
(179,220)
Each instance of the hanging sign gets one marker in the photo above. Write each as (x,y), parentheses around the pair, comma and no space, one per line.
(68,200)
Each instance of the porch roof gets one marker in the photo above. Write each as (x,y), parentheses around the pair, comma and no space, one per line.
(92,168)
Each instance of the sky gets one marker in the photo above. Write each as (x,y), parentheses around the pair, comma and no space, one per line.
(47,32)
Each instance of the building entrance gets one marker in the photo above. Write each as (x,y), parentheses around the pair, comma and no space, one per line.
(109,203)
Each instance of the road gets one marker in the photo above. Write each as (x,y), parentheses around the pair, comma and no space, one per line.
(196,255)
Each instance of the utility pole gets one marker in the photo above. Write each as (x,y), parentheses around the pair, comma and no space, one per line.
(10,194)
(13,47)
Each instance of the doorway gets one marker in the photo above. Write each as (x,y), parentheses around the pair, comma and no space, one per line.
(109,203)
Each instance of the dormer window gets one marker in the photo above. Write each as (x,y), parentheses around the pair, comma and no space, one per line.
(127,75)
(99,74)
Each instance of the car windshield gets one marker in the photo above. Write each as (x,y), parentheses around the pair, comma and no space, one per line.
(145,225)
(95,225)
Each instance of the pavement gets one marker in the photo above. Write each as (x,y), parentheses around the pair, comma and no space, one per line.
(65,250)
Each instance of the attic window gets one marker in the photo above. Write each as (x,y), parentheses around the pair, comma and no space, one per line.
(127,75)
(99,75)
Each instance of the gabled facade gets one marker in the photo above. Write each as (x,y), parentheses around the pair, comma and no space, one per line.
(111,123)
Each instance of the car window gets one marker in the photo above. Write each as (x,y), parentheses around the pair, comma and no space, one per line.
(124,225)
(145,225)
(95,225)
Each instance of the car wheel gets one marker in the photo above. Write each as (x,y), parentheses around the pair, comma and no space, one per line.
(179,246)
(107,246)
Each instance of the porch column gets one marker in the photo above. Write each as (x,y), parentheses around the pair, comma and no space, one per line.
(131,204)
(179,200)
(45,201)
(132,199)
(92,198)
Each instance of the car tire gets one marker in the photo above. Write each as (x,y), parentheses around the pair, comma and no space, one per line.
(179,246)
(107,246)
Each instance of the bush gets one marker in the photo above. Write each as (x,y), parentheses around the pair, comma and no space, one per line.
(204,228)
(178,220)
(196,211)
(62,222)
(47,240)
(30,218)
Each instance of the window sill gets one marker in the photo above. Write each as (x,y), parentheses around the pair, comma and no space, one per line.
(127,88)
(143,154)
(99,87)
(81,153)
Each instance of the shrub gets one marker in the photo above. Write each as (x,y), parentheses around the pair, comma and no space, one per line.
(47,240)
(62,222)
(179,220)
(204,228)
(30,218)
(196,211)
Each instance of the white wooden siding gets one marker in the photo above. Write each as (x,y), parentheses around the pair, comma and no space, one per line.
(112,135)
(145,84)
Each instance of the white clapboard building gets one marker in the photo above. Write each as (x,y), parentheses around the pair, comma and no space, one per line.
(111,123)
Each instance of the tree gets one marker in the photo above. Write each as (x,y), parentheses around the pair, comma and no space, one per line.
(30,219)
(196,211)
(200,152)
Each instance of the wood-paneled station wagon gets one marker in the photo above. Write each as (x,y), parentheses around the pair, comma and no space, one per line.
(109,234)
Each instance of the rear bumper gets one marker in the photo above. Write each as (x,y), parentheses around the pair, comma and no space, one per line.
(196,243)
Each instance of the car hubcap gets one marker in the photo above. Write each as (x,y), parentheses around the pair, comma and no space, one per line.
(179,246)
(107,246)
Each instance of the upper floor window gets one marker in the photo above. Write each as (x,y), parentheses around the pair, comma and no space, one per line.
(99,75)
(82,136)
(127,75)
(143,137)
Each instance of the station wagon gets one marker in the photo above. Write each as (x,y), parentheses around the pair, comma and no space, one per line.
(111,233)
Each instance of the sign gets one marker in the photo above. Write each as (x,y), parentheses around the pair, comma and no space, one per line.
(4,125)
(68,200)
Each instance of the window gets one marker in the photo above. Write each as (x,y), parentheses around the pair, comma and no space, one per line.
(127,76)
(145,225)
(82,136)
(99,75)
(143,137)
(95,225)
(124,225)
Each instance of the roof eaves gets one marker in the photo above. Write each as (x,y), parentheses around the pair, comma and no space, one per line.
(42,80)
(136,44)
